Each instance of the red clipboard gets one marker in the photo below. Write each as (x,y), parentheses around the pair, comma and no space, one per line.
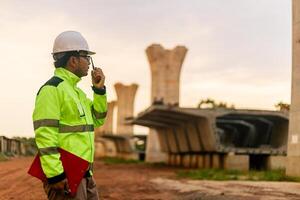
(74,168)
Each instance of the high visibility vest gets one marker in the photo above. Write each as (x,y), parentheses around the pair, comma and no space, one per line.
(64,120)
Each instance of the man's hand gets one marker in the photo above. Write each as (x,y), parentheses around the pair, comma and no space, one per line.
(98,78)
(62,185)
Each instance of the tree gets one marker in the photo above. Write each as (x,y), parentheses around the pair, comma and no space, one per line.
(281,106)
(211,103)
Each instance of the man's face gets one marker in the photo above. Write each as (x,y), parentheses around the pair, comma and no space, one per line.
(82,67)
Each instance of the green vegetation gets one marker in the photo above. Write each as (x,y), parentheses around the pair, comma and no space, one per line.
(211,103)
(29,144)
(218,174)
(157,164)
(281,106)
(110,160)
(3,157)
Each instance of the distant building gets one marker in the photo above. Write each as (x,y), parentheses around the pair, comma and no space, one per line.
(11,146)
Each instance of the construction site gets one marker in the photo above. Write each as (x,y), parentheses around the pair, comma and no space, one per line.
(179,139)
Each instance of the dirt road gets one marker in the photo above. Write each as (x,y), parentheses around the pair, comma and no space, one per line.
(139,181)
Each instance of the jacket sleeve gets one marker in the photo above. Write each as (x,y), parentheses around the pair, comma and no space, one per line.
(46,117)
(99,106)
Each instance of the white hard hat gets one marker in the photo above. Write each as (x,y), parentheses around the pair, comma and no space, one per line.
(70,41)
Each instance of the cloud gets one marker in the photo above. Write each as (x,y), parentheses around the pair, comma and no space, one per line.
(239,51)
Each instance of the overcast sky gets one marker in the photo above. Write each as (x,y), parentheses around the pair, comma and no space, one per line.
(239,51)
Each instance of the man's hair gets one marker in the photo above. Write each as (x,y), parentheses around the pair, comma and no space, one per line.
(61,59)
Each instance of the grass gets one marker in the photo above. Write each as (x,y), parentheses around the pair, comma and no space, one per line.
(3,157)
(109,161)
(113,160)
(222,175)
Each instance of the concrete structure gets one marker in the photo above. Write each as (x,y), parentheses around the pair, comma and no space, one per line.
(294,127)
(236,162)
(165,68)
(124,146)
(220,138)
(107,127)
(165,72)
(119,144)
(105,148)
(276,162)
(11,146)
(3,144)
(126,96)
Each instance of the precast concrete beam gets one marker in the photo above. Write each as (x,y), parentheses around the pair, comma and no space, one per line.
(279,135)
(246,130)
(229,135)
(172,140)
(204,127)
(202,131)
(150,123)
(126,96)
(262,124)
(182,139)
(194,137)
(163,140)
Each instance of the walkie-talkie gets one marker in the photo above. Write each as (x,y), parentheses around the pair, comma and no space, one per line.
(92,63)
(97,79)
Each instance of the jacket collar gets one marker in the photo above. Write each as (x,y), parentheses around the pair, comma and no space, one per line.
(66,75)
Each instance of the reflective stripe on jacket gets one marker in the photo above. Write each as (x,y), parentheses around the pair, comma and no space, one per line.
(65,118)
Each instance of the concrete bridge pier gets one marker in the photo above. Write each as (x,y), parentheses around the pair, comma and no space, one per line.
(126,96)
(293,151)
(165,68)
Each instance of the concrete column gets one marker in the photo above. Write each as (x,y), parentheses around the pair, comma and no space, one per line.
(169,159)
(216,161)
(165,68)
(107,127)
(126,95)
(186,161)
(207,161)
(236,162)
(200,161)
(104,147)
(276,162)
(193,161)
(178,161)
(172,159)
(293,151)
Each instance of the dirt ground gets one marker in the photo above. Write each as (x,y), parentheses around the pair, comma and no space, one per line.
(145,182)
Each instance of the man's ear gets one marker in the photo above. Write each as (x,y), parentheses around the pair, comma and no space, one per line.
(73,61)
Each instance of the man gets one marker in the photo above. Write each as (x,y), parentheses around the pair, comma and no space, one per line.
(64,120)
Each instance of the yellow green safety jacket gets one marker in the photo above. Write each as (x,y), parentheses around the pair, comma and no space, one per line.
(65,118)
